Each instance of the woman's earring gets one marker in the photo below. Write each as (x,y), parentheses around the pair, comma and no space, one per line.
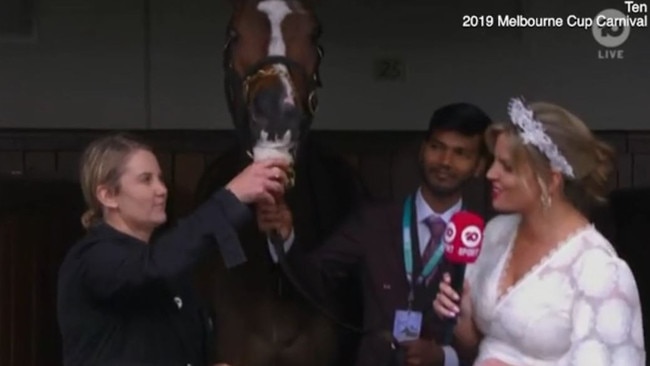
(546,201)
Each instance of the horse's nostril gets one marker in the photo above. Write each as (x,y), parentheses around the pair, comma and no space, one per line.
(266,102)
(271,111)
(273,103)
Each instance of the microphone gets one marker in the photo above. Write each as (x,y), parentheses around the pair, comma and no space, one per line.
(462,239)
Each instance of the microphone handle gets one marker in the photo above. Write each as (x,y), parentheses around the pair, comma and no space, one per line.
(457,273)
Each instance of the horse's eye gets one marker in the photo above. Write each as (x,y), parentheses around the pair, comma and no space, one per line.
(232,34)
(321,51)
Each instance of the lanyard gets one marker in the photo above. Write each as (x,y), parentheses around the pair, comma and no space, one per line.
(408,250)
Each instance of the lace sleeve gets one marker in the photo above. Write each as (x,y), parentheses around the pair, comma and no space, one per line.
(606,315)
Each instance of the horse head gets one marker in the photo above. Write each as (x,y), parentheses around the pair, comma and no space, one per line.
(271,60)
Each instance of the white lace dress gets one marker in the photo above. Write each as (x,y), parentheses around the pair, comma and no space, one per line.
(579,306)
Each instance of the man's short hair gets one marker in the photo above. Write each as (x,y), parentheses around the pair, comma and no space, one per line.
(464,118)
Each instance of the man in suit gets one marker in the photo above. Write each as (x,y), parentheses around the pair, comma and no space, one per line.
(375,243)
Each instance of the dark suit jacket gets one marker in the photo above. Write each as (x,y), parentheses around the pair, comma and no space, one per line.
(370,245)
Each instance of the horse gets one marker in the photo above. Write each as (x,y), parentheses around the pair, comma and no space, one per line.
(260,315)
(271,60)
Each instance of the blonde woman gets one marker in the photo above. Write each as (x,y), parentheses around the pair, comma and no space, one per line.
(125,298)
(548,288)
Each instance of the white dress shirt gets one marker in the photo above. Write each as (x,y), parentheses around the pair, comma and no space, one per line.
(423,211)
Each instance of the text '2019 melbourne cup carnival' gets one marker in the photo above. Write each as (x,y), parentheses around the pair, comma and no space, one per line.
(636,17)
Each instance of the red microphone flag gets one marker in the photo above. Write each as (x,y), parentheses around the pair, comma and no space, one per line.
(463,237)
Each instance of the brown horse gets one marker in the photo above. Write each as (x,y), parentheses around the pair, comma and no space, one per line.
(271,61)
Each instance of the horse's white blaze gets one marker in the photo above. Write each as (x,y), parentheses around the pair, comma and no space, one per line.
(276,11)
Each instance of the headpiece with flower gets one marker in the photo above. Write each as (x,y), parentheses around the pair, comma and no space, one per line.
(532,132)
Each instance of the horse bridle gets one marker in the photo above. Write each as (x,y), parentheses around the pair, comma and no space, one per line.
(237,87)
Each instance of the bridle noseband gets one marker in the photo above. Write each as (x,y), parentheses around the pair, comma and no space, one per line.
(263,71)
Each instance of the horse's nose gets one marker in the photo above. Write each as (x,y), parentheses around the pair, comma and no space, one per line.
(274,112)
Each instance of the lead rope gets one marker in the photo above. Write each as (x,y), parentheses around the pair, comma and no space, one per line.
(277,242)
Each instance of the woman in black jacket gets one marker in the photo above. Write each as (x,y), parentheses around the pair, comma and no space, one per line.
(125,298)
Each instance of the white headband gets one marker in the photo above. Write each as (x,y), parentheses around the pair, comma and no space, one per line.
(532,132)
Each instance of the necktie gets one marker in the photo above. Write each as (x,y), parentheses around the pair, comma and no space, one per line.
(437,228)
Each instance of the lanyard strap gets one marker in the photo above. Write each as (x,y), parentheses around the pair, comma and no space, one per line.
(408,248)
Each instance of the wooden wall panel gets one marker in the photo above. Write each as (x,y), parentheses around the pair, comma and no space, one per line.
(20,275)
(210,157)
(384,159)
(624,171)
(188,168)
(617,140)
(641,170)
(40,163)
(352,159)
(38,222)
(5,290)
(405,173)
(638,143)
(67,165)
(375,172)
(166,161)
(11,163)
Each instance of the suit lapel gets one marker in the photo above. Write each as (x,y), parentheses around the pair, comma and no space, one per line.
(397,246)
(392,286)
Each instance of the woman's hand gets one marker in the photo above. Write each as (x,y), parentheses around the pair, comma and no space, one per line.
(449,304)
(261,181)
(494,362)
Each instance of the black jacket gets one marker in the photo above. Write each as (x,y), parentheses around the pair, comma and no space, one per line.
(124,302)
